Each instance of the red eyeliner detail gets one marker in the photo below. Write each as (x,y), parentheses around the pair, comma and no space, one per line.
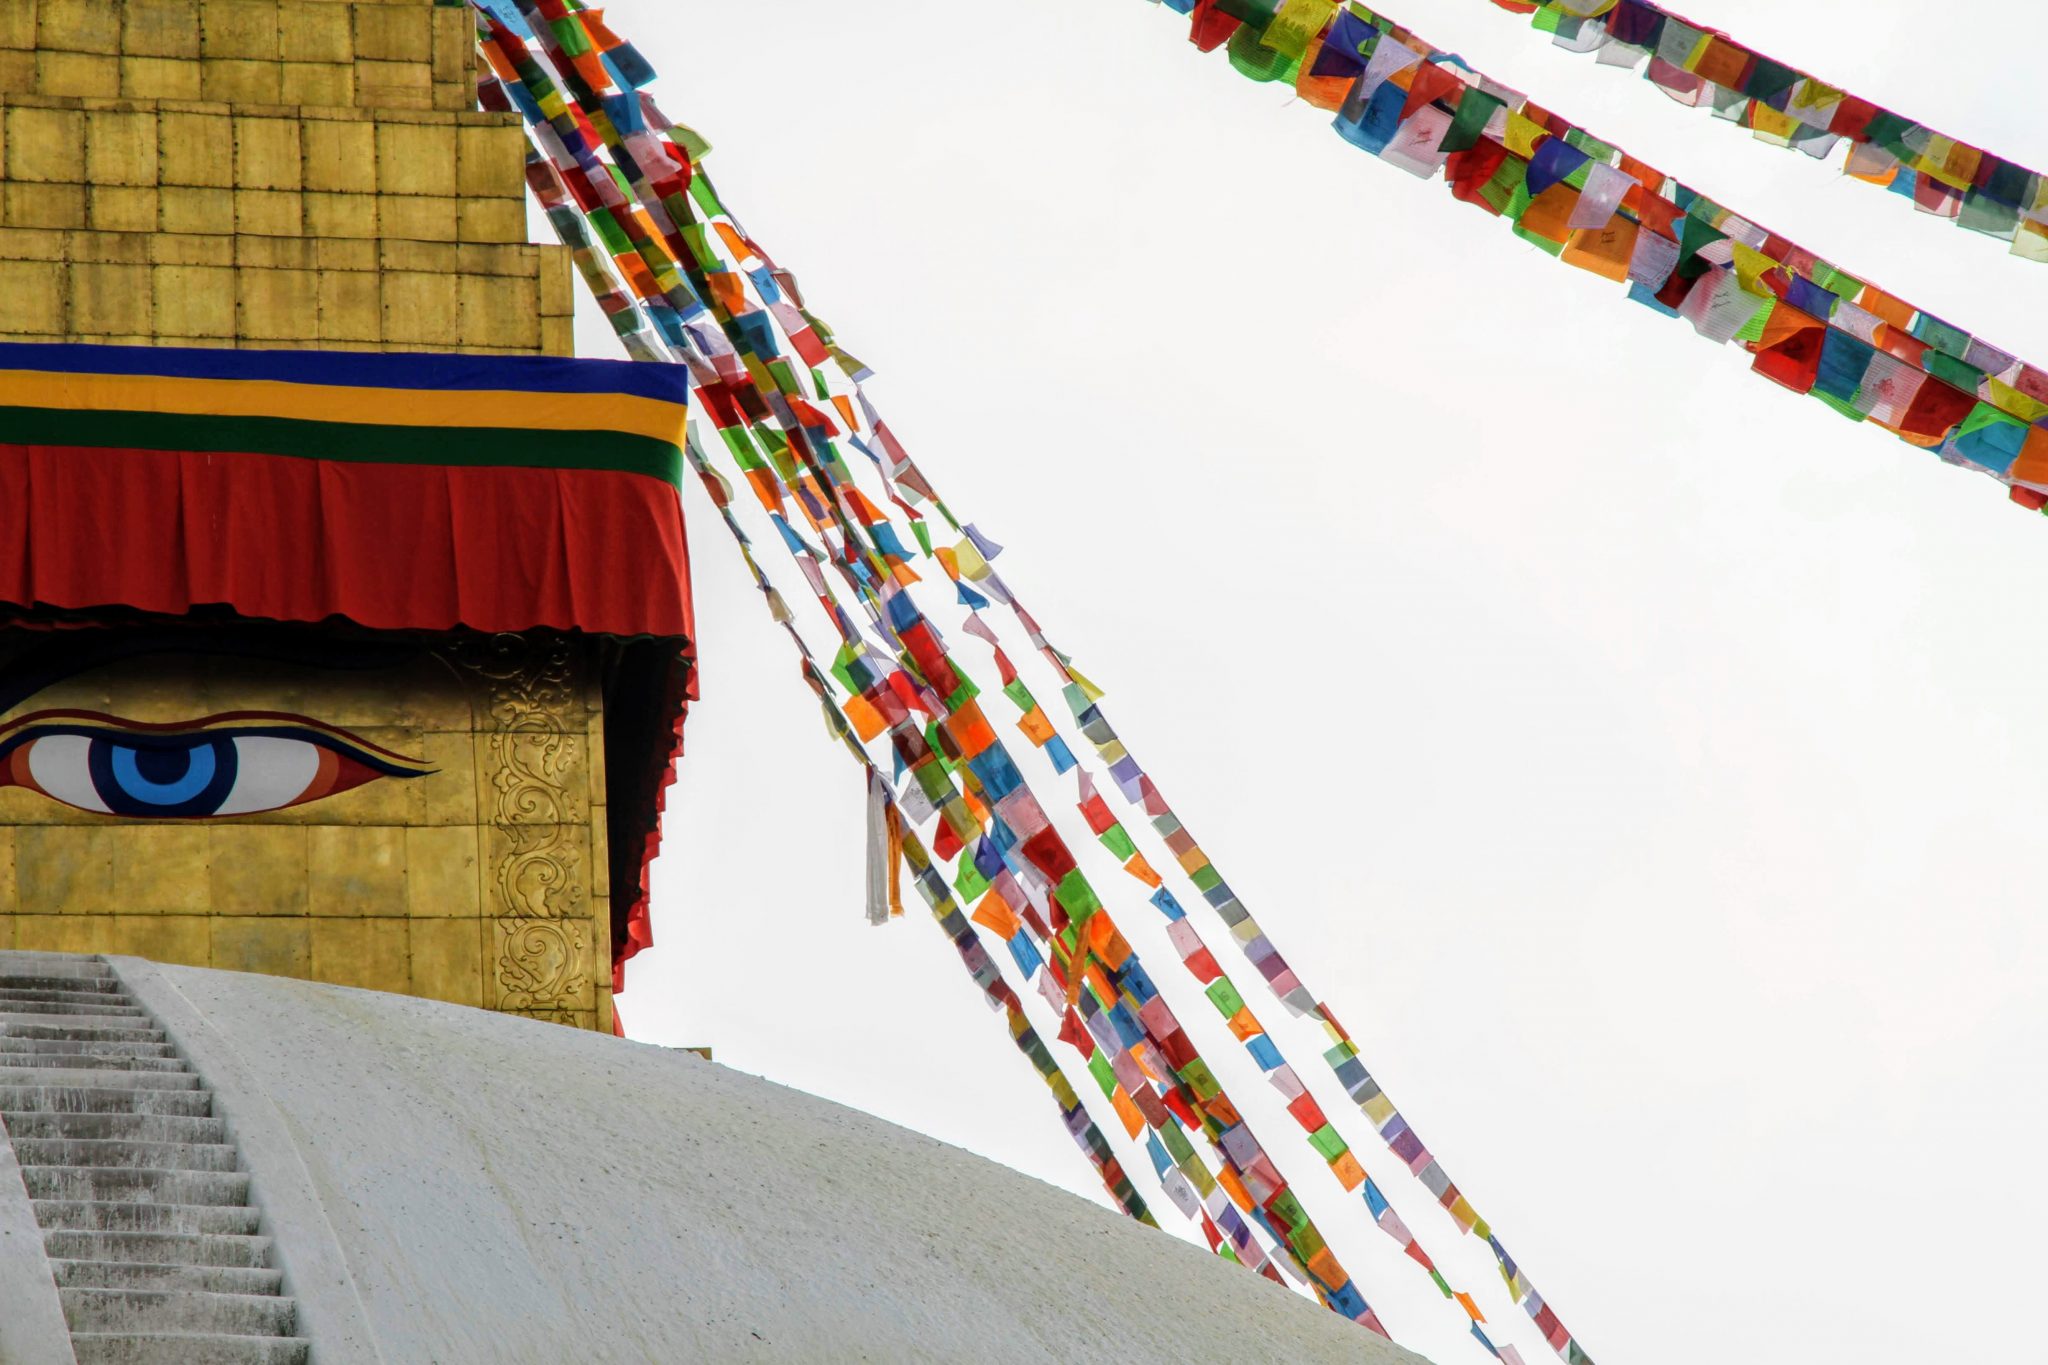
(225,720)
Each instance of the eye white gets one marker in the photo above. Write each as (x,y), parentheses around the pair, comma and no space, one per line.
(59,765)
(270,773)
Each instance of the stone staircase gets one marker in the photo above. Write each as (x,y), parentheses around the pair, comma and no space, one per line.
(145,1215)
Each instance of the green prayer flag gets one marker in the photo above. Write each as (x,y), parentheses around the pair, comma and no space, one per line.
(970,883)
(1224,997)
(1474,109)
(1326,1141)
(1119,843)
(1076,895)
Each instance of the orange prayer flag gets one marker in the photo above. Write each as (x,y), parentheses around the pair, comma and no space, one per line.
(1134,1122)
(1036,727)
(1245,1025)
(1142,870)
(1471,1308)
(1896,311)
(1604,251)
(1642,172)
(734,243)
(867,722)
(1347,1170)
(636,271)
(995,915)
(1549,214)
(1234,1187)
(728,292)
(970,729)
(1324,92)
(593,23)
(1323,1265)
(1192,861)
(1784,323)
(2032,464)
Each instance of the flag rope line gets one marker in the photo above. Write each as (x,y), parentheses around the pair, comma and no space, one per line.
(1783,106)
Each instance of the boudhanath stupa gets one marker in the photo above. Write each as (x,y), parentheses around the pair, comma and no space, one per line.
(344,655)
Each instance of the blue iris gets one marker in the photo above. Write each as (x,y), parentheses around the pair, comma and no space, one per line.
(185,776)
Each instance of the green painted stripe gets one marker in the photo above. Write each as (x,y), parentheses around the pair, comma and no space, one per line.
(355,443)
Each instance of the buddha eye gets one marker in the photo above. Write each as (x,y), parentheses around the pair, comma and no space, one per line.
(243,764)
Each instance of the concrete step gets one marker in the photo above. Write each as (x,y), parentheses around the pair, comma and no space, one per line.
(177,1310)
(47,1098)
(86,1077)
(115,1127)
(31,999)
(16,960)
(110,1006)
(12,1045)
(110,1018)
(71,1030)
(118,1184)
(178,1348)
(206,1279)
(78,1061)
(159,1156)
(213,1220)
(57,981)
(174,1248)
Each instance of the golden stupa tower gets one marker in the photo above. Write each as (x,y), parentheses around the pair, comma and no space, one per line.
(313,174)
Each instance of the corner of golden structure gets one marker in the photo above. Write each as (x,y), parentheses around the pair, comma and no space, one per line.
(304,174)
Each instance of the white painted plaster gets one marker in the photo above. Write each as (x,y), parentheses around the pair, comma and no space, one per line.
(32,1330)
(515,1192)
(292,1207)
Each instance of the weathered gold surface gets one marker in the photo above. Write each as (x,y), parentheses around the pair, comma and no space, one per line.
(304,174)
(269,173)
(482,883)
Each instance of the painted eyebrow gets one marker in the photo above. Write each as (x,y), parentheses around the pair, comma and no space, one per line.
(278,724)
(69,655)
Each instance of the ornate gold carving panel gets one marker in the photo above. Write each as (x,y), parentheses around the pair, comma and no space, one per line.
(549,956)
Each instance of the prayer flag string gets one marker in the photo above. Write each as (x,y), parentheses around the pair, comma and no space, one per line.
(703,290)
(1811,326)
(731,332)
(1783,106)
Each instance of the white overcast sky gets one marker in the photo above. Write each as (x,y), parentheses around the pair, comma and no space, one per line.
(1646,763)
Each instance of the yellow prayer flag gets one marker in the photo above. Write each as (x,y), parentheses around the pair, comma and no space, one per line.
(1088,689)
(1751,266)
(970,560)
(1522,134)
(2006,398)
(1770,125)
(1813,94)
(2030,243)
(1296,26)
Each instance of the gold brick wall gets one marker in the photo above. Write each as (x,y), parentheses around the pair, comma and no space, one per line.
(273,173)
(483,883)
(407,55)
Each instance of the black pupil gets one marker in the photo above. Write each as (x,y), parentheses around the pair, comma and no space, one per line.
(163,766)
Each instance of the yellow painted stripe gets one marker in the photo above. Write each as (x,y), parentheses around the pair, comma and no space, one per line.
(517,409)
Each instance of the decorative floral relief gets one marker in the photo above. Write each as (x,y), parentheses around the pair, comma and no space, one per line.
(544,962)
